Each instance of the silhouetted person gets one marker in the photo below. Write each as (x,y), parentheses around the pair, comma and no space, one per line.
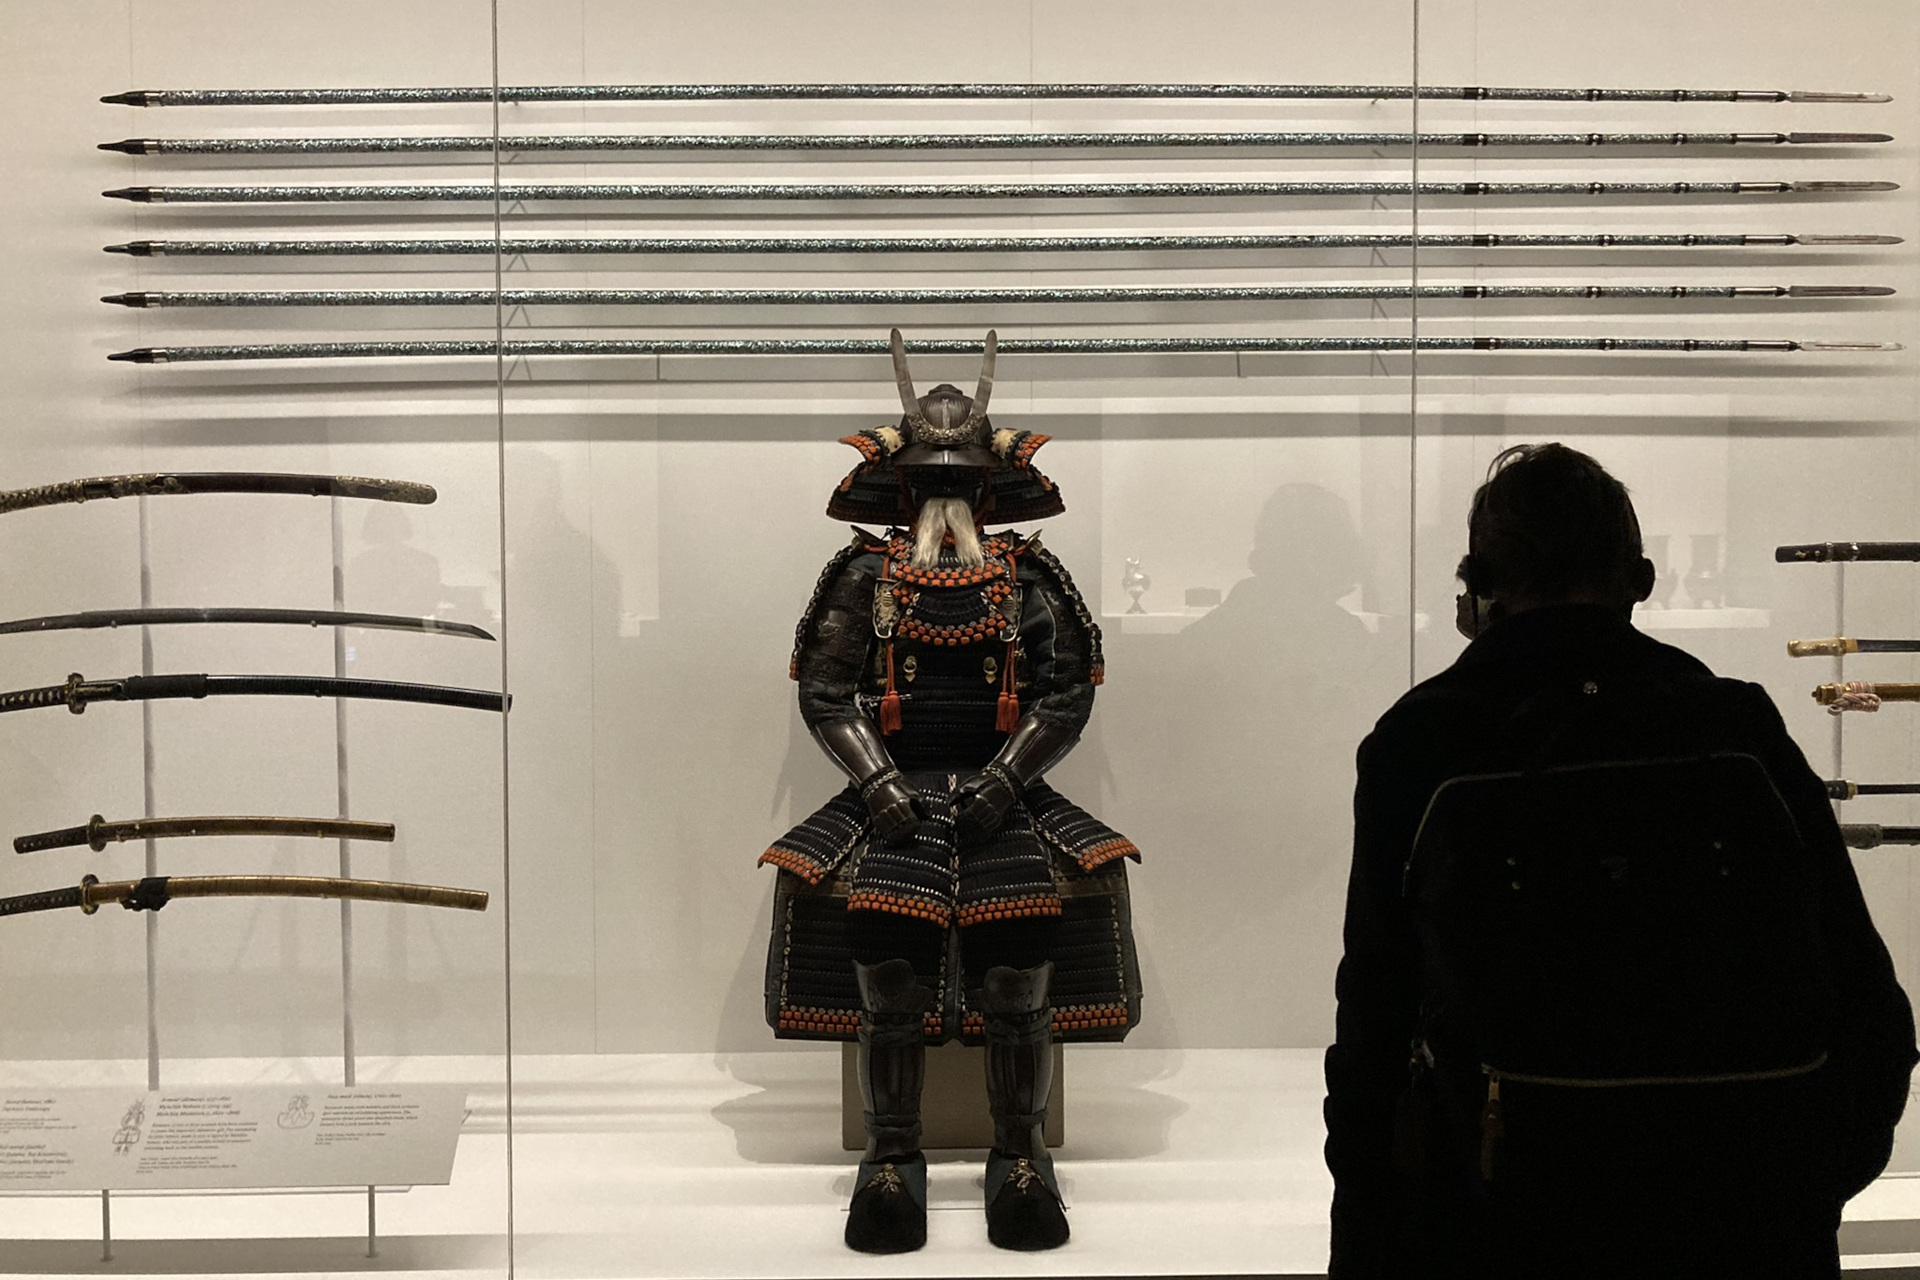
(1568,753)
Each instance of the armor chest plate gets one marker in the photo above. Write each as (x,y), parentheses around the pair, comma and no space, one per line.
(949,606)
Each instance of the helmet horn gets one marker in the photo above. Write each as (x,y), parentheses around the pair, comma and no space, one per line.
(985,389)
(908,400)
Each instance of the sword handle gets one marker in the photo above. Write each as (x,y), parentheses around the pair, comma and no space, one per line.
(64,838)
(45,495)
(27,699)
(1822,648)
(48,900)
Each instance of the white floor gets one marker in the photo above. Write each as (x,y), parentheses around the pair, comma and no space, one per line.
(1199,1163)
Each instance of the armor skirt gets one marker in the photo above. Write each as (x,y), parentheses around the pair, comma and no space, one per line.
(1049,858)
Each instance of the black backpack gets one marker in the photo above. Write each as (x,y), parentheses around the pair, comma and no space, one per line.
(1596,915)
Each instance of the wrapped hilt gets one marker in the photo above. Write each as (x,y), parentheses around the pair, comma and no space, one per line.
(49,899)
(92,835)
(1871,835)
(1822,648)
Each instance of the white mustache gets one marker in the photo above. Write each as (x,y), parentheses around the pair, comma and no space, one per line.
(938,518)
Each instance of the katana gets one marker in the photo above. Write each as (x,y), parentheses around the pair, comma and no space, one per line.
(513,192)
(1871,835)
(1844,644)
(154,892)
(521,246)
(149,484)
(415,96)
(444,144)
(1829,552)
(98,833)
(1841,789)
(949,346)
(109,618)
(78,693)
(949,297)
(1863,695)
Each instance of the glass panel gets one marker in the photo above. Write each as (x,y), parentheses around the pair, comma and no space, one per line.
(250,992)
(1727,455)
(665,529)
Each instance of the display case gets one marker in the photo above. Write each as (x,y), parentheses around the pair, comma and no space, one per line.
(1274,362)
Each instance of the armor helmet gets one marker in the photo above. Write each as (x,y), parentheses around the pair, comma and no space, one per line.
(947,442)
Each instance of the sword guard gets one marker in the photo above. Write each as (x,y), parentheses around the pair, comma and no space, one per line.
(75,703)
(96,833)
(87,905)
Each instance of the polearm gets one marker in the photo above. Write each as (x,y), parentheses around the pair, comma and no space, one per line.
(1871,835)
(951,346)
(521,246)
(510,192)
(566,142)
(1832,552)
(1841,789)
(97,619)
(98,833)
(78,693)
(1863,695)
(948,297)
(1840,645)
(414,96)
(172,483)
(155,892)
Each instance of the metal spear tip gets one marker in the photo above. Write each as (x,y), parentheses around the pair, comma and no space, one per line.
(1853,346)
(137,248)
(131,299)
(1837,240)
(127,146)
(143,195)
(1816,95)
(1817,139)
(131,98)
(140,355)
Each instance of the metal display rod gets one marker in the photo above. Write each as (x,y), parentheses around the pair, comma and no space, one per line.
(359,193)
(157,483)
(78,693)
(98,833)
(943,297)
(850,92)
(155,892)
(947,346)
(486,144)
(108,618)
(518,246)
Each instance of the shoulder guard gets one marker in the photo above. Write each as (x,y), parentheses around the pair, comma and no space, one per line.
(1096,661)
(862,541)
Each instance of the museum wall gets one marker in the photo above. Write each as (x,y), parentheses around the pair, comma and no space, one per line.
(659,520)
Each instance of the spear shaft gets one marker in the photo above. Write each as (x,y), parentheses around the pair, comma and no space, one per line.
(568,142)
(510,192)
(519,246)
(943,297)
(951,346)
(851,92)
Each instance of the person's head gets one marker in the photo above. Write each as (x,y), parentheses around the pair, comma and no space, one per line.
(1550,526)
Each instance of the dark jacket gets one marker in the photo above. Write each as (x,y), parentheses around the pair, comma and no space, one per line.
(1396,1219)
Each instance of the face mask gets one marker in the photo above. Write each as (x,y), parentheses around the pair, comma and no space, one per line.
(1472,614)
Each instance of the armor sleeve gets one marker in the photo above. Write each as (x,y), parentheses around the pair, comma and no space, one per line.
(1061,639)
(835,635)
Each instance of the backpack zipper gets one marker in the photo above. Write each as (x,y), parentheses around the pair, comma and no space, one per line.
(1493,1118)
